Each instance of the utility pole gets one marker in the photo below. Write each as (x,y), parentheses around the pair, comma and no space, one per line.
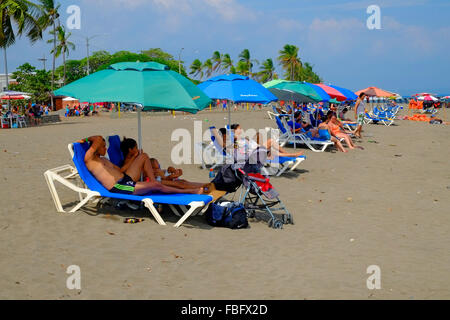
(179,61)
(87,49)
(88,69)
(43,60)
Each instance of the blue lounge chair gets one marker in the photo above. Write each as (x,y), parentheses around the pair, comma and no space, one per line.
(275,166)
(371,118)
(287,137)
(94,190)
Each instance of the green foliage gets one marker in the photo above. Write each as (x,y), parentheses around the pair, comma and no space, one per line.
(33,81)
(75,69)
(307,74)
(267,71)
(158,53)
(196,68)
(18,17)
(126,56)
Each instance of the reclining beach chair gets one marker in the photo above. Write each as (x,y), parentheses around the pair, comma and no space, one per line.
(371,118)
(287,137)
(275,166)
(94,190)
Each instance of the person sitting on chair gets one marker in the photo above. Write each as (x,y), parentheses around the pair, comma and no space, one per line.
(169,177)
(269,145)
(335,128)
(127,182)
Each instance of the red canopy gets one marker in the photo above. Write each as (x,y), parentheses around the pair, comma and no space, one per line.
(332,92)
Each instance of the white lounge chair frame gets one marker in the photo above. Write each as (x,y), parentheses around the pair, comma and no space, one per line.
(86,195)
(302,138)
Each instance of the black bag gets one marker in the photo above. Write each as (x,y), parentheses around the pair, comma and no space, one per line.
(233,217)
(226,180)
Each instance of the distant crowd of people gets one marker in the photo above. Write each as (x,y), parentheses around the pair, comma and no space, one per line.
(79,110)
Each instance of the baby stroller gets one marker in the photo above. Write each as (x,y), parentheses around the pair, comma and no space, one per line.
(257,194)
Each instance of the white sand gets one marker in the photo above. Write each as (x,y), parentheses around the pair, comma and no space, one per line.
(398,218)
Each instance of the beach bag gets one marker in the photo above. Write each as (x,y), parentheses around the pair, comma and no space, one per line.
(226,180)
(227,215)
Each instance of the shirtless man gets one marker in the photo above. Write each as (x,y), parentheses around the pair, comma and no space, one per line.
(111,177)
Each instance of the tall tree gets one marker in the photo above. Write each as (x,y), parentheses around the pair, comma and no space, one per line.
(245,57)
(23,15)
(289,60)
(242,68)
(227,63)
(267,71)
(49,17)
(197,68)
(208,67)
(63,45)
(217,61)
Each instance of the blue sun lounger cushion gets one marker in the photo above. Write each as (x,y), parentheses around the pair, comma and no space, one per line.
(94,185)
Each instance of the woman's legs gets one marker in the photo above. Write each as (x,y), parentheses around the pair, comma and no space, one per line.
(279,150)
(146,187)
(347,139)
(338,144)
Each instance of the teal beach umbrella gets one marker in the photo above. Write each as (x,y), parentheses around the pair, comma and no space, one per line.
(299,87)
(150,85)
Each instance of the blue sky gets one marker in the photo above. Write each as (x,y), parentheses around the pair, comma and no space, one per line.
(409,54)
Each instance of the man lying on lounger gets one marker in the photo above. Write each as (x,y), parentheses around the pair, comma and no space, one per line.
(110,176)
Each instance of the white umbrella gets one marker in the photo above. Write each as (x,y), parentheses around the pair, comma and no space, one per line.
(70,99)
(428,98)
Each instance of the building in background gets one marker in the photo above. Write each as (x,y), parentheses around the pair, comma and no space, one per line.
(3,81)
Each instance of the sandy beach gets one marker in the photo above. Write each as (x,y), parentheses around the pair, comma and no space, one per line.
(387,205)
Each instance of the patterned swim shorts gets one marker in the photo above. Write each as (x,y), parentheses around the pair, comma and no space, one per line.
(360,120)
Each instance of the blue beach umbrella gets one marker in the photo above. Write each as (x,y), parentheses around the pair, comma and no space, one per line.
(236,88)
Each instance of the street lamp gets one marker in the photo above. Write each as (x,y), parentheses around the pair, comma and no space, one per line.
(179,61)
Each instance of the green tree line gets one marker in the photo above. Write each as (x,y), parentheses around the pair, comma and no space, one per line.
(289,60)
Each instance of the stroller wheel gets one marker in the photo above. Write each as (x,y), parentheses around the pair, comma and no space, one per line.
(290,219)
(250,214)
(270,223)
(287,219)
(278,224)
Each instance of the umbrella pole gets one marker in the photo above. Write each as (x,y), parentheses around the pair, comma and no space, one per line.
(293,120)
(139,127)
(140,133)
(229,116)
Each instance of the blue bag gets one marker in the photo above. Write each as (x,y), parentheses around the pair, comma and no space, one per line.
(233,216)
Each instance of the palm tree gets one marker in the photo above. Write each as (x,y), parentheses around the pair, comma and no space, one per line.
(289,60)
(62,46)
(242,68)
(23,15)
(246,58)
(208,67)
(217,61)
(227,63)
(197,68)
(267,71)
(49,18)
